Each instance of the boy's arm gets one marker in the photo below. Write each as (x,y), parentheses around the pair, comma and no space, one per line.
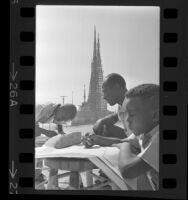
(104,141)
(131,137)
(108,120)
(130,165)
(108,141)
(48,133)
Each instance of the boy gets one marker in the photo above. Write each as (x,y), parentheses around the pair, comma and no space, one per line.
(142,109)
(114,89)
(57,113)
(45,114)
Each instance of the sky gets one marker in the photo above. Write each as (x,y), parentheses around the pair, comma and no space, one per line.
(129,45)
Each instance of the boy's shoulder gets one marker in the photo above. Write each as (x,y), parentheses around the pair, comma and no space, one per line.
(150,150)
(147,139)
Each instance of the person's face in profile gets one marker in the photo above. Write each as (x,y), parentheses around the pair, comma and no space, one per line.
(110,93)
(139,115)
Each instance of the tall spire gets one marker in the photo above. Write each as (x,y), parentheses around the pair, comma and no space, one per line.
(98,49)
(98,42)
(95,107)
(96,101)
(84,94)
(95,46)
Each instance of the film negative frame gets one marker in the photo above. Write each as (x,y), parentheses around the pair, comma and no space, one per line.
(173,98)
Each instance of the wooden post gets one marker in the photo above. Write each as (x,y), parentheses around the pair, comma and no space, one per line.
(89,178)
(53,180)
(74,180)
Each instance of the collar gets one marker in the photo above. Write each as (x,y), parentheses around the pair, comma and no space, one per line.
(121,108)
(150,133)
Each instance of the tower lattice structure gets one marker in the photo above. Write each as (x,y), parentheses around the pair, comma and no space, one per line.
(95,107)
(96,100)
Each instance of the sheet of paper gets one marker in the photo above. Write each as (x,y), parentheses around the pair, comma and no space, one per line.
(114,167)
(76,151)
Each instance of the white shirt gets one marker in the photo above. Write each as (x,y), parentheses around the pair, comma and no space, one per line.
(149,144)
(43,112)
(121,112)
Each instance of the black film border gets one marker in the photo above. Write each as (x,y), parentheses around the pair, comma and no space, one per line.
(173,98)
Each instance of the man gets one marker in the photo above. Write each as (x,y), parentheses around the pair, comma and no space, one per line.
(105,132)
(114,89)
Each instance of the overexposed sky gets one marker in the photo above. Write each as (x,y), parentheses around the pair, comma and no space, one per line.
(129,40)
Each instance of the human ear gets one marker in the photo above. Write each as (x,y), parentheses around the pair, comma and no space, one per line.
(155,115)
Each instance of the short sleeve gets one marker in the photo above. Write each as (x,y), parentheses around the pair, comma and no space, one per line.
(132,137)
(151,153)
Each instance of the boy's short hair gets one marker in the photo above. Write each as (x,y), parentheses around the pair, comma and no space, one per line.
(71,109)
(114,78)
(144,91)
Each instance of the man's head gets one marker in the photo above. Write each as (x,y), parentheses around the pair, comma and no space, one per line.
(142,108)
(64,113)
(114,88)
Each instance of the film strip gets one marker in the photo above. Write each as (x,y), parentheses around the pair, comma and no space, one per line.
(173,99)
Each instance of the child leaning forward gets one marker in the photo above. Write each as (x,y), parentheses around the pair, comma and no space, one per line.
(139,156)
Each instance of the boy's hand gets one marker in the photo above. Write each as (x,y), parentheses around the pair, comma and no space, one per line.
(89,139)
(86,141)
(135,150)
(133,144)
(135,147)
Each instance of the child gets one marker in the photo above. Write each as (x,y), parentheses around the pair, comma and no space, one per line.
(57,114)
(142,107)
